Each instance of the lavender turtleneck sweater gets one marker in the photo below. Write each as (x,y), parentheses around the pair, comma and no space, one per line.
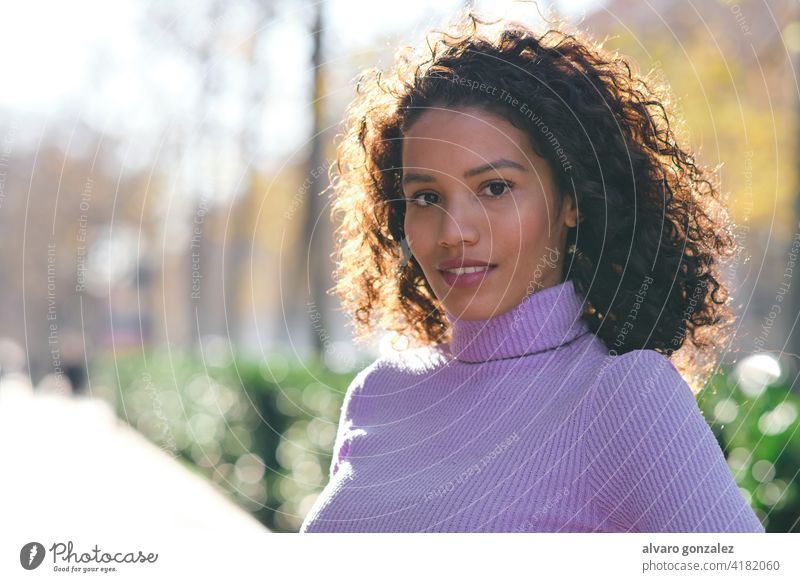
(525,423)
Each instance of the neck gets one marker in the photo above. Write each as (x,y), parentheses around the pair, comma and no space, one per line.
(542,321)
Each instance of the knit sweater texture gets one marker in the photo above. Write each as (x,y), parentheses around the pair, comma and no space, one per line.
(525,423)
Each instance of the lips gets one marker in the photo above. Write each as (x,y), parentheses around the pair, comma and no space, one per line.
(460,275)
(461,263)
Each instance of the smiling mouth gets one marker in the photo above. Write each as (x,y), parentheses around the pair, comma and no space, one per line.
(465,270)
(466,276)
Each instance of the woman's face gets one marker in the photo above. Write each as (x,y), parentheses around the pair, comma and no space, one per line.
(476,194)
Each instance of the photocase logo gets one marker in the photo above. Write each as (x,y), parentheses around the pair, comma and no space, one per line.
(31,555)
(67,559)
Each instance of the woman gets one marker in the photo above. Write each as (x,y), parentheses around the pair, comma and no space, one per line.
(558,247)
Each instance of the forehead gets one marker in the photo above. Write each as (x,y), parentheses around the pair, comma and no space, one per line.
(465,135)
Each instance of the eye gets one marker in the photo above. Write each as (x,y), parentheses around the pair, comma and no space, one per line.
(417,201)
(497,188)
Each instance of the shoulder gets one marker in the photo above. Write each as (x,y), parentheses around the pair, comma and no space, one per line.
(642,368)
(391,369)
(655,463)
(641,401)
(415,361)
(358,384)
(642,383)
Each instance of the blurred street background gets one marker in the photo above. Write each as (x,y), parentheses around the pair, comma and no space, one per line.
(165,249)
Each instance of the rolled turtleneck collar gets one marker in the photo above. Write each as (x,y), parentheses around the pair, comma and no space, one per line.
(542,321)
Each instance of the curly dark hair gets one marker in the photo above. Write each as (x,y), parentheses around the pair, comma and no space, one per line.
(652,222)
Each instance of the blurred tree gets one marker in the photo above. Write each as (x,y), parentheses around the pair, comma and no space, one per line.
(316,225)
(58,209)
(221,42)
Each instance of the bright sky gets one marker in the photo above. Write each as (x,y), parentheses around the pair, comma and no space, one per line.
(47,46)
(53,52)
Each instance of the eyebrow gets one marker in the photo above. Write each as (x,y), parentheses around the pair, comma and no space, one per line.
(411,177)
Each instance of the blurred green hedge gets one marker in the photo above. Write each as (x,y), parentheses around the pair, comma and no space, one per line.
(263,432)
(760,436)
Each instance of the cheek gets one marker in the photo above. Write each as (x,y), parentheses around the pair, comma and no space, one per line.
(524,231)
(419,236)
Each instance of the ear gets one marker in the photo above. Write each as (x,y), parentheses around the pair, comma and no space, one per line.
(569,212)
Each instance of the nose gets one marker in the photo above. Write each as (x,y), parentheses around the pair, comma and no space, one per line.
(459,225)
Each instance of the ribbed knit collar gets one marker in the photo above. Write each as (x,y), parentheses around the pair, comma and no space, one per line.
(542,321)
